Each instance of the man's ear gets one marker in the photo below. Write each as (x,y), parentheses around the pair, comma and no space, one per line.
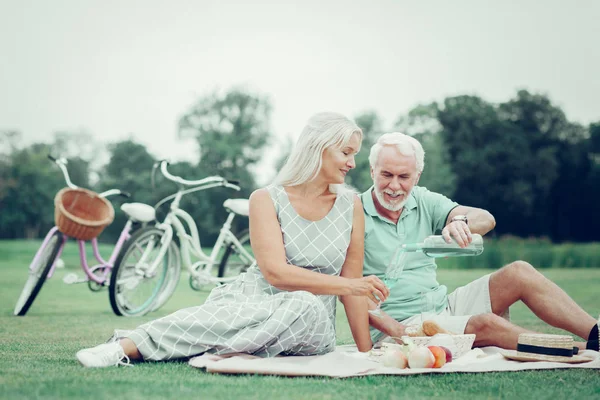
(372,173)
(418,177)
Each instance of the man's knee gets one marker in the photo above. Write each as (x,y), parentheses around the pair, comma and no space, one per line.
(483,324)
(515,272)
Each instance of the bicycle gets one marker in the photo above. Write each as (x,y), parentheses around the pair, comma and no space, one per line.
(150,244)
(44,262)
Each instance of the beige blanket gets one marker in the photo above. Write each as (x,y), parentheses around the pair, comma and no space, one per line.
(346,362)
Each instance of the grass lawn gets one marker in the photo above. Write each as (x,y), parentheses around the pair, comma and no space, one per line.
(38,350)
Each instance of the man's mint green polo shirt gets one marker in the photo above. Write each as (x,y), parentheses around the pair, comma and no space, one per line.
(424,214)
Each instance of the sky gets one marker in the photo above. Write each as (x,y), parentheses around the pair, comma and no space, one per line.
(120,69)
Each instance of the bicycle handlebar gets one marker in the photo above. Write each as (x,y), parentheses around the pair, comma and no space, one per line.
(211,179)
(113,192)
(62,164)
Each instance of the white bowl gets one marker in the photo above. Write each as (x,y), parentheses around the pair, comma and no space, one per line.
(457,344)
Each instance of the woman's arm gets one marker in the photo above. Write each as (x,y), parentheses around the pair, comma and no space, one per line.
(267,245)
(356,306)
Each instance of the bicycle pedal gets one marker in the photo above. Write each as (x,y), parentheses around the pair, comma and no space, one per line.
(72,278)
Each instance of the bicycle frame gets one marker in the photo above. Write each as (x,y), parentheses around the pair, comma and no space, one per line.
(190,242)
(190,245)
(107,265)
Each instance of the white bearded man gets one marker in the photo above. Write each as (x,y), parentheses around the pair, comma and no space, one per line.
(398,211)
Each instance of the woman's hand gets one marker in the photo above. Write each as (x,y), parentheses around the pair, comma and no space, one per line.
(370,286)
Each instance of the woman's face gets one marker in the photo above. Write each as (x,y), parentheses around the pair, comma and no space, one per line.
(337,161)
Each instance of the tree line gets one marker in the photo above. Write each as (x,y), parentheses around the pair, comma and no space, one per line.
(522,160)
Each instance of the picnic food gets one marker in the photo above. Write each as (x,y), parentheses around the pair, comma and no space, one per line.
(410,355)
(421,357)
(431,328)
(428,328)
(394,358)
(439,354)
(448,354)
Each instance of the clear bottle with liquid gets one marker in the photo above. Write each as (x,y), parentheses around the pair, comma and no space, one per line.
(436,246)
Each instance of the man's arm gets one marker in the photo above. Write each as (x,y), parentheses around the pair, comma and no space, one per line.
(385,323)
(479,221)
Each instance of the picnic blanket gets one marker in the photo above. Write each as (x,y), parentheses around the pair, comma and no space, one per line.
(346,362)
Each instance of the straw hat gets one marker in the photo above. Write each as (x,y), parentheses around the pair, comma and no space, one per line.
(540,347)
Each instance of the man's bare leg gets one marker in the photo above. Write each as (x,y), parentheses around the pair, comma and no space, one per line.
(520,281)
(493,330)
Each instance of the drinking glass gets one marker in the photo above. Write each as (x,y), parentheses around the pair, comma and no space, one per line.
(427,306)
(392,274)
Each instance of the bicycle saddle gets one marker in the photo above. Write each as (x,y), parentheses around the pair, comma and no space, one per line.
(238,206)
(139,212)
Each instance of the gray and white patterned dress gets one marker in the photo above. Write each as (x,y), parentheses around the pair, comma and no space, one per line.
(251,316)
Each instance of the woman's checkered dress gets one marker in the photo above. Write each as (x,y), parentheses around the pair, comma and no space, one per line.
(251,316)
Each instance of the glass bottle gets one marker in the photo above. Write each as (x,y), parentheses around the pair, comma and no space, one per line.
(436,246)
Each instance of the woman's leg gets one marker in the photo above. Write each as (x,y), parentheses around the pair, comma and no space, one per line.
(130,349)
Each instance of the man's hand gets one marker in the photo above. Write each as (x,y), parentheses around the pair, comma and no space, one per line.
(386,324)
(458,230)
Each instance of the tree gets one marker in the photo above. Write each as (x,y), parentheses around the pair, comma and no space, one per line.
(231,130)
(371,125)
(521,159)
(490,159)
(128,169)
(29,183)
(554,151)
(422,123)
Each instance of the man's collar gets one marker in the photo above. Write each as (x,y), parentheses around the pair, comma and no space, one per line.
(369,204)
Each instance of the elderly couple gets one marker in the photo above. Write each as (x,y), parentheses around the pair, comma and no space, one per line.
(314,239)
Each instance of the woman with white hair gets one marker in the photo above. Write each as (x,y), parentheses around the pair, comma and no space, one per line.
(307,234)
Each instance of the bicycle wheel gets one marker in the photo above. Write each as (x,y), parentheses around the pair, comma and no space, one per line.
(172,279)
(132,291)
(233,263)
(38,273)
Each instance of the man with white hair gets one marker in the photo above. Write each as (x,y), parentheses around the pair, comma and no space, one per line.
(398,211)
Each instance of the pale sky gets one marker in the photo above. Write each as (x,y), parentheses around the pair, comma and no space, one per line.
(115,68)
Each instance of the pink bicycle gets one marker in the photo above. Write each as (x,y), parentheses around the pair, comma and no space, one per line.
(82,214)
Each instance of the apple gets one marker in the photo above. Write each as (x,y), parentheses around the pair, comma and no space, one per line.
(439,354)
(394,359)
(421,357)
(448,354)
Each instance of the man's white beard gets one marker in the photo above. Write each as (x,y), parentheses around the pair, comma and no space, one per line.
(390,206)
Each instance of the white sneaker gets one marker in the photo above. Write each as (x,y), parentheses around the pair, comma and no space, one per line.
(104,355)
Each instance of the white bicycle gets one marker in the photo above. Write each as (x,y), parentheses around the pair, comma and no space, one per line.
(152,246)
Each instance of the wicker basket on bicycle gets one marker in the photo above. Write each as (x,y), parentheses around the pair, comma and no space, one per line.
(81,213)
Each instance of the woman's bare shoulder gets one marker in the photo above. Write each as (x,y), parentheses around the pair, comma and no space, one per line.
(259,194)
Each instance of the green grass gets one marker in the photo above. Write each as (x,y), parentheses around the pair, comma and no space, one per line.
(38,351)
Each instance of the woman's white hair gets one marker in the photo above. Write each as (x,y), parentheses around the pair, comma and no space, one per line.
(407,145)
(322,130)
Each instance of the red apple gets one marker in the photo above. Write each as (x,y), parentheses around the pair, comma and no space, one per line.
(439,354)
(448,354)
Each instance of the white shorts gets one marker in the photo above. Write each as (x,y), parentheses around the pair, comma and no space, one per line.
(463,303)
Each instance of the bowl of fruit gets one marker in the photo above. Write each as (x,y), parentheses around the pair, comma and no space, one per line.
(431,334)
(411,355)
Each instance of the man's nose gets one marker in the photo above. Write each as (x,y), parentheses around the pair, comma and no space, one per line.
(395,184)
